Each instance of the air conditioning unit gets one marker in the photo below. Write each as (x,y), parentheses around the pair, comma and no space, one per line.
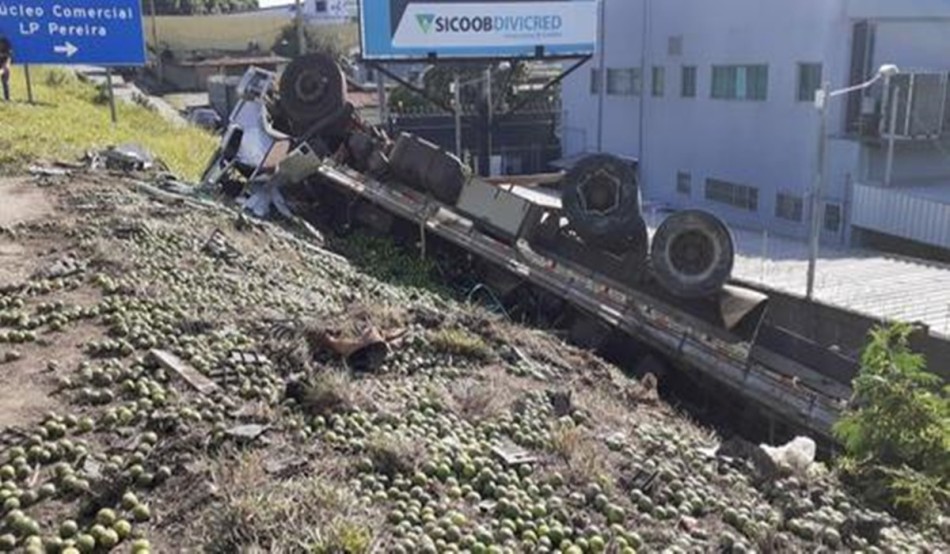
(923,105)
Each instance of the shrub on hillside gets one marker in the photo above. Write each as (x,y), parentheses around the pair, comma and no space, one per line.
(896,435)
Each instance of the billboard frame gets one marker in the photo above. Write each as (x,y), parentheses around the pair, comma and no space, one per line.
(433,57)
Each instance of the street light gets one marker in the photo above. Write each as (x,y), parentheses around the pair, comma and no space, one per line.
(456,89)
(822,96)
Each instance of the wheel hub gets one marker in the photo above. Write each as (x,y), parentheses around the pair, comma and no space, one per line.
(600,192)
(692,252)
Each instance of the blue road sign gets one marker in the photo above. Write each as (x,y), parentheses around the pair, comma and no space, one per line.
(98,32)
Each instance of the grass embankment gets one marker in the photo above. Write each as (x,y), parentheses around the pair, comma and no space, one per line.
(69,118)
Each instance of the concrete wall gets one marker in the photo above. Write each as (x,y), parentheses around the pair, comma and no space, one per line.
(771,144)
(848,331)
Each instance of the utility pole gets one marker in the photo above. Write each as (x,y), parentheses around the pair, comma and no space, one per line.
(891,129)
(381,96)
(298,20)
(489,115)
(818,189)
(457,104)
(158,51)
(601,75)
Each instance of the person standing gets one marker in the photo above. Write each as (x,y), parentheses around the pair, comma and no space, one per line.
(6,58)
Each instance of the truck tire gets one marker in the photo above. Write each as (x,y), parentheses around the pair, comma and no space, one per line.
(311,88)
(601,198)
(692,254)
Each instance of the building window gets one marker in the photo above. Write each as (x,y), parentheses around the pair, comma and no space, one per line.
(740,82)
(833,217)
(321,6)
(789,206)
(739,196)
(659,80)
(623,82)
(688,82)
(594,81)
(674,45)
(809,80)
(684,182)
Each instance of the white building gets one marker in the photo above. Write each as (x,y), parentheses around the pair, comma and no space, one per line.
(716,101)
(315,11)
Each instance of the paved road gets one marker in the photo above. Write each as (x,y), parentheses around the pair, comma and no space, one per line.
(126,91)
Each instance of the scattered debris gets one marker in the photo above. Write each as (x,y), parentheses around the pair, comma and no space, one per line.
(736,448)
(513,455)
(217,246)
(188,373)
(127,157)
(561,402)
(63,267)
(38,171)
(247,433)
(795,456)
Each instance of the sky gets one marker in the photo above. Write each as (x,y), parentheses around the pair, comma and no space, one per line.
(269,3)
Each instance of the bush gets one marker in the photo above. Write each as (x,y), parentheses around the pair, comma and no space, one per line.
(58,77)
(896,435)
(459,342)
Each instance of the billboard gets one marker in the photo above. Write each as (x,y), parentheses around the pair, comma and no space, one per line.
(394,30)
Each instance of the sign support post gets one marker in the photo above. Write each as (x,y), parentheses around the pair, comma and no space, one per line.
(29,83)
(111,95)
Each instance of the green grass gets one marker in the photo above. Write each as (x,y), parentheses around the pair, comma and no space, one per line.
(69,118)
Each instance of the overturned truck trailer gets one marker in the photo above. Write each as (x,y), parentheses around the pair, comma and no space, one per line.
(575,246)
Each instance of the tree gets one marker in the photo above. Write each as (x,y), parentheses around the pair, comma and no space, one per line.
(897,433)
(198,7)
(438,79)
(333,40)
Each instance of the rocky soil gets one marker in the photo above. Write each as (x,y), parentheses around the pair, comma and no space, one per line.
(475,435)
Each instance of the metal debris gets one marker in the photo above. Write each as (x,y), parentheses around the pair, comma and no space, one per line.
(247,433)
(62,267)
(191,375)
(561,402)
(127,157)
(38,171)
(513,455)
(363,354)
(247,358)
(217,246)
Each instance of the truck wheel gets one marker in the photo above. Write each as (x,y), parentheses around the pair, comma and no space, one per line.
(602,201)
(692,254)
(311,88)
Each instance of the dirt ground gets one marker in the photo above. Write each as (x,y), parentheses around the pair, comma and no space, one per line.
(473,435)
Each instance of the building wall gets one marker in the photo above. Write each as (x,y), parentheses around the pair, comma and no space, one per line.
(214,32)
(770,144)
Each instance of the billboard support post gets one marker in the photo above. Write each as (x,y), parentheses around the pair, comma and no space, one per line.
(383,101)
(489,107)
(421,92)
(457,101)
